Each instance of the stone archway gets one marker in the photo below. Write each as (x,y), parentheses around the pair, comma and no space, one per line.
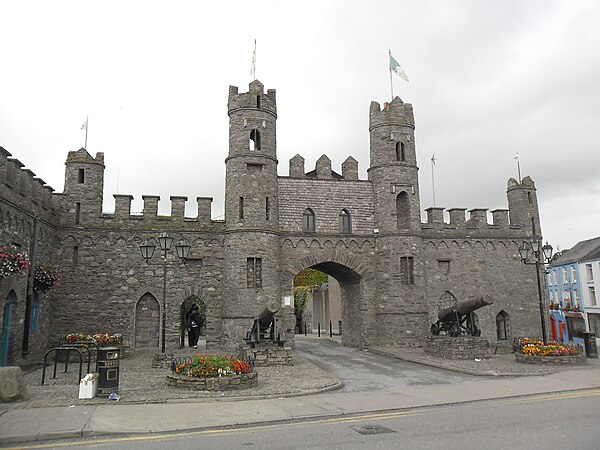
(354,304)
(147,322)
(183,309)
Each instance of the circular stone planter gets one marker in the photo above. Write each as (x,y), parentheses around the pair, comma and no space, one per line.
(572,360)
(232,382)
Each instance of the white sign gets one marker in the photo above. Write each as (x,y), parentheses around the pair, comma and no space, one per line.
(287,300)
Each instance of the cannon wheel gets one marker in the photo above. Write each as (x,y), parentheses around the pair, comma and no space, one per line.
(435,330)
(454,330)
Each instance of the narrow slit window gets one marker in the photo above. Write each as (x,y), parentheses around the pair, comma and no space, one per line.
(241,208)
(77,213)
(400,151)
(267,209)
(258,101)
(75,255)
(81,176)
(255,139)
(254,273)
(407,276)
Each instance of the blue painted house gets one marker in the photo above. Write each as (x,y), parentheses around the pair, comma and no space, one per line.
(567,281)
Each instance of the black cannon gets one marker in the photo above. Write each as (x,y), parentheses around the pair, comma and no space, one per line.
(266,327)
(459,319)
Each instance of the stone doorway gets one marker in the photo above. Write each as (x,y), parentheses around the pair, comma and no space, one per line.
(183,309)
(147,322)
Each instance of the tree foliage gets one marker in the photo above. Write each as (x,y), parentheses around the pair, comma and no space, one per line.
(305,282)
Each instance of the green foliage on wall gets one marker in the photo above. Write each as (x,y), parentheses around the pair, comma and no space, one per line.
(305,282)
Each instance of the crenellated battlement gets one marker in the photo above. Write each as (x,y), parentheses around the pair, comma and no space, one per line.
(395,113)
(323,169)
(476,221)
(255,98)
(150,208)
(23,188)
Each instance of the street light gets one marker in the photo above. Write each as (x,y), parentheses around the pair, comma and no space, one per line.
(541,256)
(147,250)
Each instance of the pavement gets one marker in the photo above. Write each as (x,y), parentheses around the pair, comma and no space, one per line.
(301,391)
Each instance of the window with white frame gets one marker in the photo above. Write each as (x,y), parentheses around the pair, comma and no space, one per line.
(575,298)
(555,277)
(564,273)
(590,272)
(573,275)
(593,296)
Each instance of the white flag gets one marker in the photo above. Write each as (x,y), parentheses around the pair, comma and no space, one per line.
(395,66)
(84,126)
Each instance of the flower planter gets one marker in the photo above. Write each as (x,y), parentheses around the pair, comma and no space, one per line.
(230,382)
(572,360)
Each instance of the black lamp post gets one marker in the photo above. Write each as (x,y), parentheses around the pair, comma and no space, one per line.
(542,255)
(147,250)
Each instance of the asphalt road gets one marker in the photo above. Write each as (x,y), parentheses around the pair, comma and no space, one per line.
(551,421)
(364,371)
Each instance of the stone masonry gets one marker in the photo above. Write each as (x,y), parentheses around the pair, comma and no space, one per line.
(394,271)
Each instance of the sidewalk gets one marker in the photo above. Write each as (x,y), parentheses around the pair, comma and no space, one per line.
(22,424)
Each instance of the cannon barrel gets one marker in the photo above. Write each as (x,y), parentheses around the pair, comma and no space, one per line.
(266,316)
(466,307)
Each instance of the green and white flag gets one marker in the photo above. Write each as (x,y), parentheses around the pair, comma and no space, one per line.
(395,67)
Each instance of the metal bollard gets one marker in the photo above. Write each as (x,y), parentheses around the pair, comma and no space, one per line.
(330,329)
(319,328)
(305,332)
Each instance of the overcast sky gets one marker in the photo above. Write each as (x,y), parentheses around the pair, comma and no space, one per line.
(488,79)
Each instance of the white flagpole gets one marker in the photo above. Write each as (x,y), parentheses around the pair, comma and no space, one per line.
(87,124)
(518,166)
(391,82)
(253,69)
(433,176)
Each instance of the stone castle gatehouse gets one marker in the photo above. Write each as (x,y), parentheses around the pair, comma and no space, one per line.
(394,271)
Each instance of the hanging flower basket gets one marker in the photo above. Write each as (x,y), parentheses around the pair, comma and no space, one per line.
(45,278)
(12,261)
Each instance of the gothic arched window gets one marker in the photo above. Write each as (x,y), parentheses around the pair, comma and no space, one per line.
(345,221)
(503,326)
(308,221)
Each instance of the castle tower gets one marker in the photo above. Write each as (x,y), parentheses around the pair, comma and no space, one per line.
(251,211)
(523,206)
(394,171)
(84,186)
(401,305)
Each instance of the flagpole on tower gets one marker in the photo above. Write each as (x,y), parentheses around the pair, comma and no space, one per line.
(391,81)
(253,68)
(85,127)
(518,166)
(395,67)
(433,176)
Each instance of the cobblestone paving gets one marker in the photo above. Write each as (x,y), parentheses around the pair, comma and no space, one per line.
(140,383)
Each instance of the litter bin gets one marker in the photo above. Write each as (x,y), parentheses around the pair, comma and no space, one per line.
(591,349)
(108,371)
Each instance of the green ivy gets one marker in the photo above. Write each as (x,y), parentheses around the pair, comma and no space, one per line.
(305,282)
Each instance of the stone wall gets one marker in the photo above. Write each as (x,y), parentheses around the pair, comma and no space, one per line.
(270,355)
(572,360)
(232,382)
(462,347)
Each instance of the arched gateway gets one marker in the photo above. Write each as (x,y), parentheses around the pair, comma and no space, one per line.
(356,286)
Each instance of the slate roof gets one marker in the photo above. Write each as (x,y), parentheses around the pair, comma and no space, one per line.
(583,251)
